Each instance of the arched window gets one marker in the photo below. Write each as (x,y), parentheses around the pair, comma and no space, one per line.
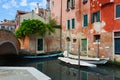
(68,4)
(72,4)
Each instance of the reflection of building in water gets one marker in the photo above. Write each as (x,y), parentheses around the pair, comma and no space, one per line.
(85,74)
(59,71)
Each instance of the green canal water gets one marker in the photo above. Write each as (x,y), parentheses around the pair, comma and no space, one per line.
(58,70)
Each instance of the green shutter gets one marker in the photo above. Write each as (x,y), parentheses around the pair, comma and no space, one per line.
(73,23)
(84,44)
(68,24)
(117,11)
(98,16)
(85,20)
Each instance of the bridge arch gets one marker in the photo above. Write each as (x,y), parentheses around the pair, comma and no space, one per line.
(9,44)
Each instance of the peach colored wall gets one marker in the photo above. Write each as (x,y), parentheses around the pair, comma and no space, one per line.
(51,42)
(56,9)
(26,43)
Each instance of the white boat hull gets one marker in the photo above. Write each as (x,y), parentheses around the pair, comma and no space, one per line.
(101,61)
(87,59)
(75,62)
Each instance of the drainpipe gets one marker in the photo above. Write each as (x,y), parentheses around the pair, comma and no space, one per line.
(61,27)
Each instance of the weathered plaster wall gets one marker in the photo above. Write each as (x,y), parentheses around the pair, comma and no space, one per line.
(51,42)
(105,28)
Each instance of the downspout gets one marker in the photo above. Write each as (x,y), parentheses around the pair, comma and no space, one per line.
(61,27)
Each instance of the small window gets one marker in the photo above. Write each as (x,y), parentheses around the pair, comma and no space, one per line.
(85,1)
(72,4)
(118,11)
(68,24)
(96,17)
(52,3)
(2,27)
(117,34)
(7,28)
(73,23)
(96,38)
(68,4)
(85,20)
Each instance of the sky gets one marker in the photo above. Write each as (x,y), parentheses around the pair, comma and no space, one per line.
(8,8)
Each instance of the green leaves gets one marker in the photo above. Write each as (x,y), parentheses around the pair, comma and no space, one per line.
(30,27)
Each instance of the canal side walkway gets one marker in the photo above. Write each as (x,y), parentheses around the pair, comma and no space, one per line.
(21,73)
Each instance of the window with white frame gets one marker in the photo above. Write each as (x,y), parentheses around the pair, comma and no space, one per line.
(118,11)
(68,4)
(95,17)
(72,4)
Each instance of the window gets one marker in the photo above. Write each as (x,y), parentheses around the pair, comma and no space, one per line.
(85,1)
(117,34)
(85,20)
(68,24)
(117,11)
(96,38)
(84,44)
(72,4)
(68,4)
(52,3)
(95,17)
(73,23)
(2,27)
(40,44)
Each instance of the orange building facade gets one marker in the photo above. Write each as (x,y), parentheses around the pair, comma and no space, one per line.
(36,44)
(94,24)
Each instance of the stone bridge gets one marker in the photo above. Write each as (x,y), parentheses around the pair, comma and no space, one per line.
(9,44)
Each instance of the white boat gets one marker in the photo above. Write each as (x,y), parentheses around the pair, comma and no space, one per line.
(75,62)
(87,59)
(94,60)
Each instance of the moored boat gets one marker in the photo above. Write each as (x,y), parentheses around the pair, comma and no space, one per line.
(75,62)
(87,59)
(44,56)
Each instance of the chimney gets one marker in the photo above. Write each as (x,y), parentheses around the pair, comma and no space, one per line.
(37,10)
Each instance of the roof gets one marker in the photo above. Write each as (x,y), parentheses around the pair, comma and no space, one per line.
(19,12)
(7,23)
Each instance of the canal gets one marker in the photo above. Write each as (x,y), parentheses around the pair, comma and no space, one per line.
(58,70)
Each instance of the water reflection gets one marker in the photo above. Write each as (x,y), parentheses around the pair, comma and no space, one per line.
(61,71)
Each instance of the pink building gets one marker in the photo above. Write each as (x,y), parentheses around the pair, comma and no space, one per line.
(94,24)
